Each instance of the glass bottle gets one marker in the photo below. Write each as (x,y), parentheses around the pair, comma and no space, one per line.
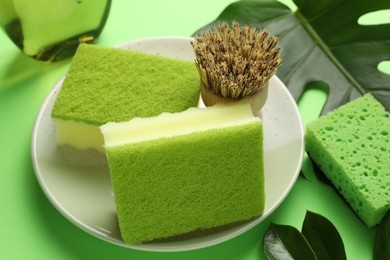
(51,30)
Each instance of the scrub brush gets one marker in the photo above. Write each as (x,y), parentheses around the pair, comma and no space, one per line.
(236,63)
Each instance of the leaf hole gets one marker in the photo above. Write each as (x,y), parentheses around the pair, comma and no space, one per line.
(312,101)
(384,66)
(376,17)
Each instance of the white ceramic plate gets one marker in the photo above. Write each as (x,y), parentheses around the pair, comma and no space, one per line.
(78,184)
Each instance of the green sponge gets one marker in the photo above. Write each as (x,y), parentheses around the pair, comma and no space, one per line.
(198,169)
(112,85)
(351,145)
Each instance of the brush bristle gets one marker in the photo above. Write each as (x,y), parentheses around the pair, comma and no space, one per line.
(236,62)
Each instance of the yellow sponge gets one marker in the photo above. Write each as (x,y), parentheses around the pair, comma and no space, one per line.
(113,85)
(180,172)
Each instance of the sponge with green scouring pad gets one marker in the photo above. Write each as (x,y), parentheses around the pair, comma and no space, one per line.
(351,145)
(181,172)
(113,85)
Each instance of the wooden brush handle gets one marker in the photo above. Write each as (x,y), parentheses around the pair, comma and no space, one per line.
(256,101)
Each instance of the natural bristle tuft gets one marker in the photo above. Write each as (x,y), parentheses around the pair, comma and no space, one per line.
(236,62)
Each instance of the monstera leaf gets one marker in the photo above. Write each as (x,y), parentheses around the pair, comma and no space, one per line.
(323,42)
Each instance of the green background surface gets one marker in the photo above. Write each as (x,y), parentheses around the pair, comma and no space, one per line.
(31,228)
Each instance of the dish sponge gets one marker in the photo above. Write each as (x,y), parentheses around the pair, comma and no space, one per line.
(351,145)
(180,172)
(113,85)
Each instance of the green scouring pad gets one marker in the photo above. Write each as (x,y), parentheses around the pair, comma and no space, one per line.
(351,145)
(113,85)
(180,172)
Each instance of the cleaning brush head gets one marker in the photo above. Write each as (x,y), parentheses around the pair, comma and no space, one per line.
(236,62)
